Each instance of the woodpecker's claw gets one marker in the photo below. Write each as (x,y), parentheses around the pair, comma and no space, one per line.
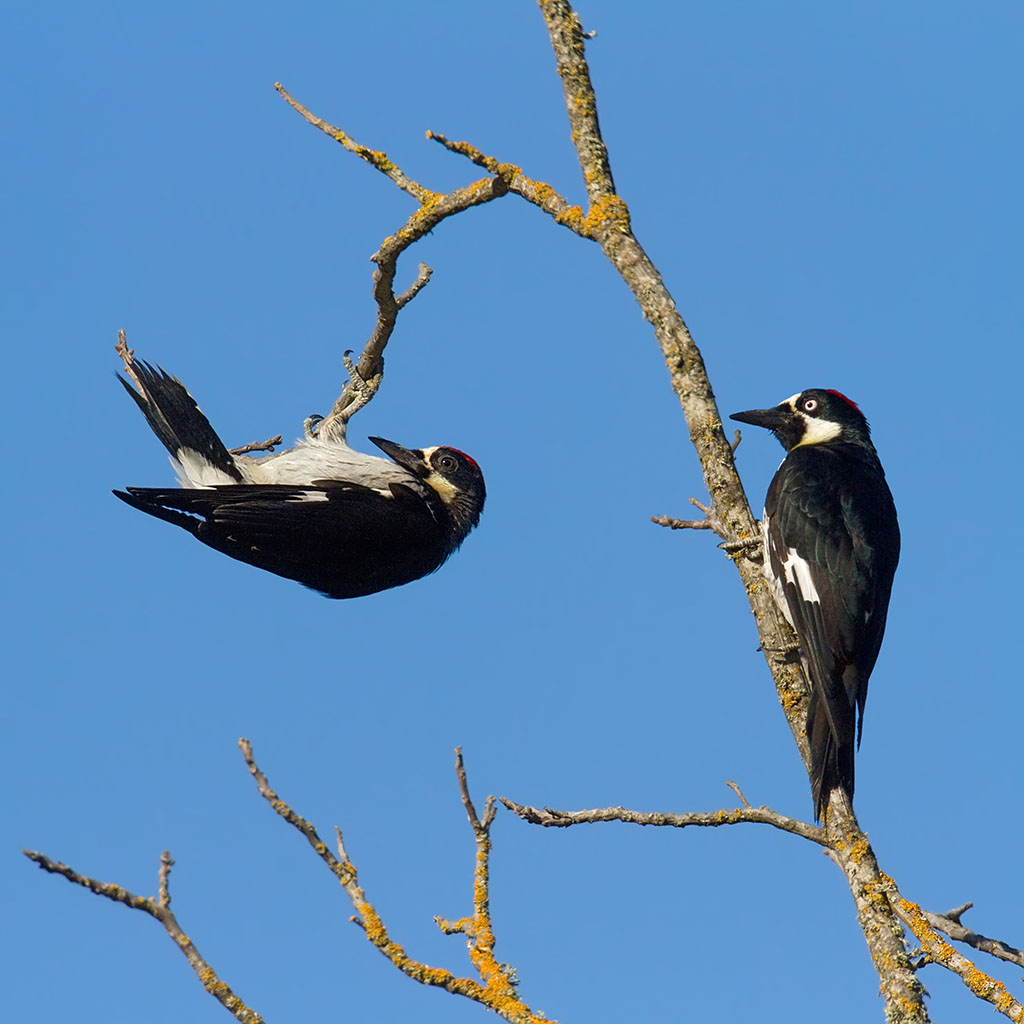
(309,425)
(364,389)
(751,546)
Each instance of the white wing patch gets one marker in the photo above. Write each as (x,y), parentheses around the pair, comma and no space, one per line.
(798,572)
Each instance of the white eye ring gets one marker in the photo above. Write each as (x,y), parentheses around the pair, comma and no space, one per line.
(810,405)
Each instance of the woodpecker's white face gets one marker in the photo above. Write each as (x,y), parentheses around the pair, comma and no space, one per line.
(816,429)
(815,416)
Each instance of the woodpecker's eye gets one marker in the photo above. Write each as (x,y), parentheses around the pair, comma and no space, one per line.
(447,463)
(810,405)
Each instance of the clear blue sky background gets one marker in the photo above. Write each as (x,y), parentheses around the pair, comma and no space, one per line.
(832,193)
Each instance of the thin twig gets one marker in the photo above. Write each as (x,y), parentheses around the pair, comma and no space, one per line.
(739,792)
(257,446)
(682,524)
(161,910)
(166,863)
(423,275)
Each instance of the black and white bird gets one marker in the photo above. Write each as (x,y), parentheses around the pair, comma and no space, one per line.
(334,519)
(831,544)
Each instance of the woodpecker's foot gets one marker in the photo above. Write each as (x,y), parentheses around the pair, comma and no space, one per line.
(750,547)
(309,425)
(784,653)
(362,389)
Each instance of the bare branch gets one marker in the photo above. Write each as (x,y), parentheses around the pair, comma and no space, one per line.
(422,277)
(467,802)
(681,524)
(496,989)
(166,863)
(550,818)
(709,522)
(161,910)
(257,446)
(739,792)
(949,923)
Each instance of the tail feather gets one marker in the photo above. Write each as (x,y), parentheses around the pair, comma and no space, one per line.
(176,419)
(832,757)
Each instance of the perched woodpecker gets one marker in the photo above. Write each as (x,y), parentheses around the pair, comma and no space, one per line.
(831,544)
(336,520)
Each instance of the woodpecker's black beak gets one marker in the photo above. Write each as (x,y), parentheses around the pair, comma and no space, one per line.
(770,419)
(407,459)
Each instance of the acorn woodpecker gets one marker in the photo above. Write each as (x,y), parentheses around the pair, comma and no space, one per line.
(336,520)
(831,544)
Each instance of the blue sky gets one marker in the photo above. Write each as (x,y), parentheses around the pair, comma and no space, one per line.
(832,193)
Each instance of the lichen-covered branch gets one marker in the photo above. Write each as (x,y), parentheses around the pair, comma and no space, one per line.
(550,818)
(160,908)
(941,952)
(496,988)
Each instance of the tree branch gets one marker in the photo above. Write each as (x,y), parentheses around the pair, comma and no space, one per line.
(366,374)
(159,908)
(941,952)
(496,988)
(949,923)
(550,818)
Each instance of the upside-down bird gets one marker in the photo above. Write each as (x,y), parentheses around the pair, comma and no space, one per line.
(831,544)
(334,519)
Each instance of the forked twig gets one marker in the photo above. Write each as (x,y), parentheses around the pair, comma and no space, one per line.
(160,908)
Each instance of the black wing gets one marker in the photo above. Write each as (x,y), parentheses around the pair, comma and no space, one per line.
(833,544)
(344,540)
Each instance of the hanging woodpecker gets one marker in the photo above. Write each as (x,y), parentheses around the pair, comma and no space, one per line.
(336,520)
(831,544)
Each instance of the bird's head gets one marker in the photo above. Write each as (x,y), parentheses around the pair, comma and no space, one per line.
(451,474)
(815,416)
